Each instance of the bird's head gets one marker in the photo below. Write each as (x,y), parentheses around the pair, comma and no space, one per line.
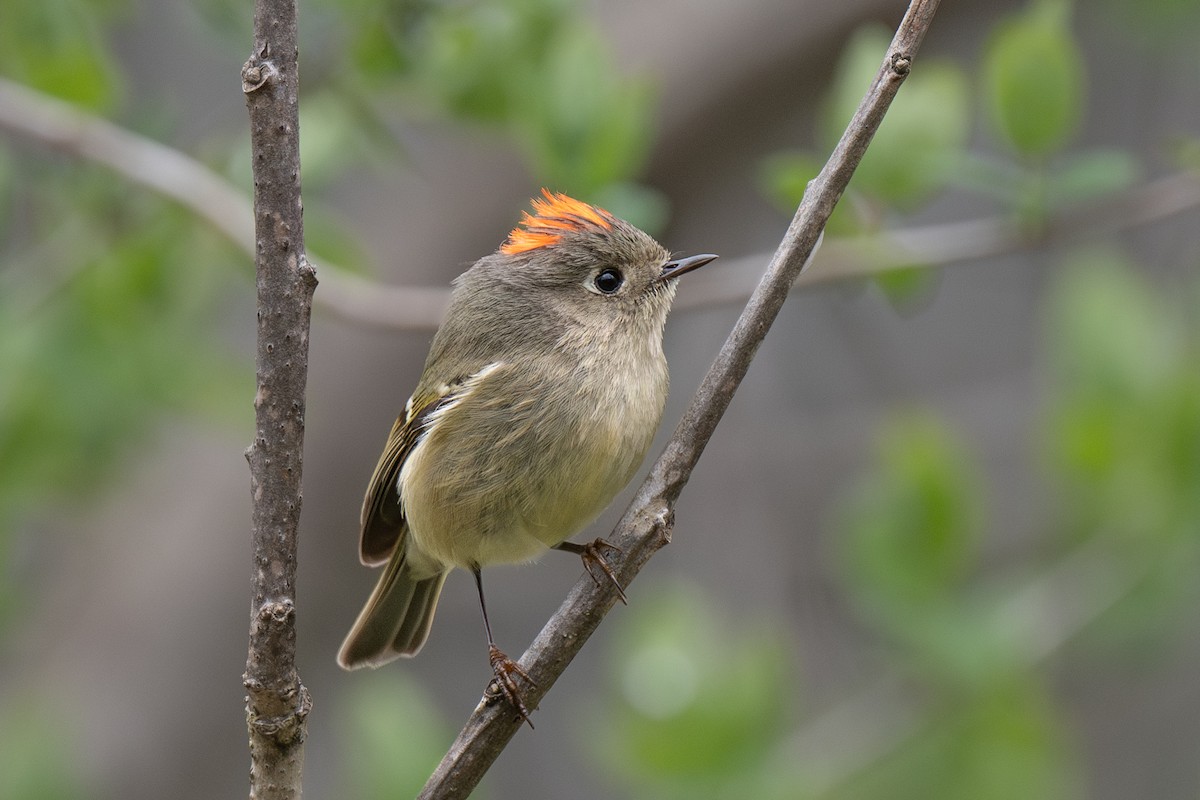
(586,261)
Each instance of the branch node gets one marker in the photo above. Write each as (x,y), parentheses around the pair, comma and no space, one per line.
(285,729)
(257,75)
(901,64)
(664,525)
(308,273)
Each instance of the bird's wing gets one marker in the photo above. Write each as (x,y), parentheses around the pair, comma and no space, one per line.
(383,525)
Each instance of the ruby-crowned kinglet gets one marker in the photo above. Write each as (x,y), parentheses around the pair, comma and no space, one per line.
(541,393)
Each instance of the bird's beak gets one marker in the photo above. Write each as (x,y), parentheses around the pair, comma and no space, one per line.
(677,266)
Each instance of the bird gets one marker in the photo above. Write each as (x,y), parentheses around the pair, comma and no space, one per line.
(541,393)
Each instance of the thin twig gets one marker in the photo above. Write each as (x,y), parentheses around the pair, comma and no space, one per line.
(958,243)
(647,524)
(59,125)
(277,703)
(63,127)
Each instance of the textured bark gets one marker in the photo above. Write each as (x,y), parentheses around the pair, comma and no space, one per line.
(647,525)
(277,703)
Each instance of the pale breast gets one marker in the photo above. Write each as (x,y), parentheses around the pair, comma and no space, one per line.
(513,468)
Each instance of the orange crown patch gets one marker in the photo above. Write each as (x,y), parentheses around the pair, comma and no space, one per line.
(552,216)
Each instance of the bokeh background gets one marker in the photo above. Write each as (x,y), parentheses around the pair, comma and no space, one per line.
(944,544)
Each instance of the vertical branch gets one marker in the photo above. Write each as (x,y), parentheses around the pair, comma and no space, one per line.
(647,524)
(277,703)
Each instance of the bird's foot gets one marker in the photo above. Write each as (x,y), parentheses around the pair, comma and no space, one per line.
(593,559)
(504,684)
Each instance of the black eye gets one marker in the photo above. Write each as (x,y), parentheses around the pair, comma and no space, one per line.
(609,281)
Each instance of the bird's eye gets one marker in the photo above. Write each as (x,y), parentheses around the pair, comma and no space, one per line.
(608,281)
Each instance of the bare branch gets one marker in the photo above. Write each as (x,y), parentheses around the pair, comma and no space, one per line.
(172,174)
(162,169)
(277,703)
(647,524)
(956,243)
(52,122)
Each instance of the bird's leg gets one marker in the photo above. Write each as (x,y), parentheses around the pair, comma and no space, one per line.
(506,670)
(593,556)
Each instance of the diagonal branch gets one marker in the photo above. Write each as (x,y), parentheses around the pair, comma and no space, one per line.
(277,703)
(646,526)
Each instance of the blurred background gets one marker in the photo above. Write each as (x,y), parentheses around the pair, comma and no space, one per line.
(943,545)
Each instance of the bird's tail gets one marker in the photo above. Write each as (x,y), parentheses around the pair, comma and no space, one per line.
(395,621)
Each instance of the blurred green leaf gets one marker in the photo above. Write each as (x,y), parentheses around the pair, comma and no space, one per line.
(58,48)
(392,736)
(584,128)
(38,757)
(991,176)
(907,287)
(1091,175)
(336,239)
(1034,78)
(1111,350)
(922,136)
(329,139)
(1123,432)
(911,531)
(1004,743)
(535,69)
(100,334)
(784,176)
(478,59)
(698,704)
(9,193)
(377,51)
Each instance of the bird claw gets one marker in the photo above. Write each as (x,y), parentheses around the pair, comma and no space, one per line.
(593,557)
(506,672)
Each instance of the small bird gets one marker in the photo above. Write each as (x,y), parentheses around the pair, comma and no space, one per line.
(541,393)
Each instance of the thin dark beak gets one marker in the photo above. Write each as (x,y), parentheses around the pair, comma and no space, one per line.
(678,266)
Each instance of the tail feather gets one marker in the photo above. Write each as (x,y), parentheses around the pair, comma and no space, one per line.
(395,621)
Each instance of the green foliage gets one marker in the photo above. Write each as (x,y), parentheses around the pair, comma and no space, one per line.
(1128,372)
(1123,431)
(1034,75)
(95,342)
(1033,88)
(697,704)
(915,154)
(1121,434)
(109,317)
(36,758)
(917,144)
(1006,742)
(392,737)
(909,547)
(57,47)
(108,299)
(1085,176)
(920,137)
(784,176)
(535,69)
(914,530)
